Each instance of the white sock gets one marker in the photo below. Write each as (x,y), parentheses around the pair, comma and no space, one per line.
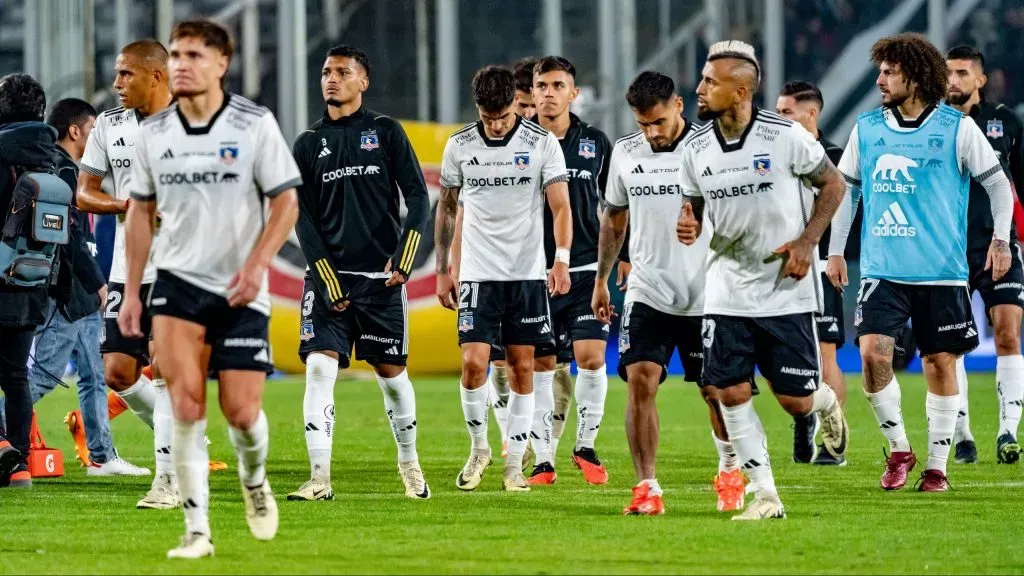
(941,411)
(591,390)
(963,417)
(251,446)
(726,454)
(191,462)
(747,437)
(163,429)
(474,408)
(140,398)
(318,413)
(823,399)
(497,381)
(1010,387)
(520,415)
(562,386)
(653,486)
(543,408)
(400,406)
(886,404)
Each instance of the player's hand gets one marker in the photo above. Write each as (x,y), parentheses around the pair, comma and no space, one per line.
(245,286)
(687,227)
(999,258)
(836,271)
(340,305)
(129,318)
(601,303)
(102,294)
(558,279)
(622,274)
(796,257)
(397,278)
(446,293)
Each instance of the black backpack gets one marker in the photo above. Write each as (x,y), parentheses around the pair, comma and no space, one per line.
(36,222)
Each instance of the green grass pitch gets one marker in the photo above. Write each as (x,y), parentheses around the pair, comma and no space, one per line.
(839,520)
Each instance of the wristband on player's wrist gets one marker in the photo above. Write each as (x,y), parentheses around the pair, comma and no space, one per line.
(562,255)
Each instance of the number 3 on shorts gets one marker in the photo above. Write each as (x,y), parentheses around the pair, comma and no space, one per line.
(863,294)
(307,304)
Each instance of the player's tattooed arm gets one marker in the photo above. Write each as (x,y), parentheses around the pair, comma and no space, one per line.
(444,226)
(614,220)
(831,186)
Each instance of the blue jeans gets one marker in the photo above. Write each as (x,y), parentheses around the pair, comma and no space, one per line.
(56,343)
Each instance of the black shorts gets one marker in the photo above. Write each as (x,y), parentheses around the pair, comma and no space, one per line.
(830,322)
(375,322)
(940,316)
(1008,290)
(784,348)
(111,340)
(649,335)
(504,313)
(237,336)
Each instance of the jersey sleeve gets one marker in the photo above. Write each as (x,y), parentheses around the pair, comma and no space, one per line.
(688,176)
(805,152)
(451,166)
(274,170)
(141,185)
(94,159)
(321,269)
(975,152)
(849,164)
(405,169)
(615,194)
(553,169)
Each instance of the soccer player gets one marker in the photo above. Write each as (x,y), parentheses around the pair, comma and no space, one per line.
(502,167)
(576,331)
(141,84)
(1003,298)
(665,297)
(762,287)
(219,172)
(356,166)
(802,102)
(913,159)
(526,105)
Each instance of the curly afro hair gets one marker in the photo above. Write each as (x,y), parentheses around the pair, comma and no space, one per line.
(918,59)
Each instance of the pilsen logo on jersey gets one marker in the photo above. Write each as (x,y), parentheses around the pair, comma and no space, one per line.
(228,153)
(588,148)
(994,129)
(762,165)
(368,140)
(521,160)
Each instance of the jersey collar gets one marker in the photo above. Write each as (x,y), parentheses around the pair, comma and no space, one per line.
(358,114)
(916,122)
(726,147)
(203,130)
(498,143)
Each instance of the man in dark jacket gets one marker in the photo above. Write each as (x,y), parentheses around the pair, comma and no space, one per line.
(74,330)
(24,141)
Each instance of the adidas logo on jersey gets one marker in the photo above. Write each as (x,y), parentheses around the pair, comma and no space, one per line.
(167,155)
(473,162)
(393,351)
(971,333)
(324,153)
(894,223)
(545,329)
(119,142)
(833,328)
(707,172)
(880,142)
(262,356)
(639,169)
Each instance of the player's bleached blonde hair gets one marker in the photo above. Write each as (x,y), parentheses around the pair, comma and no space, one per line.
(735,49)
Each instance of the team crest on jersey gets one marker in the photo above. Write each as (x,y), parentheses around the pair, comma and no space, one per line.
(588,148)
(994,129)
(762,165)
(935,143)
(521,160)
(306,331)
(465,321)
(228,154)
(368,140)
(623,341)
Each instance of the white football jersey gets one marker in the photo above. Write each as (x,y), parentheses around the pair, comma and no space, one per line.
(503,184)
(210,184)
(111,150)
(756,203)
(667,275)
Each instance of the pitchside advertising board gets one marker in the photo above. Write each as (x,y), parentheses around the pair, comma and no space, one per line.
(433,337)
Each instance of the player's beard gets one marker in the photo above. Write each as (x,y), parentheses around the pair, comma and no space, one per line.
(958,98)
(706,114)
